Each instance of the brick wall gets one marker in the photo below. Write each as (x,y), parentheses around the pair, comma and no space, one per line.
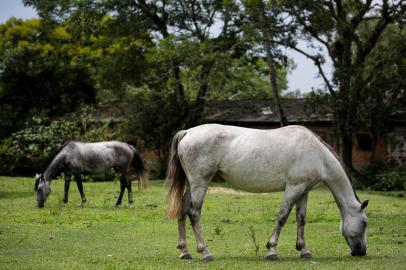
(396,146)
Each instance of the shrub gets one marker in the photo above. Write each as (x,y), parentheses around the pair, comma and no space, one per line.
(31,149)
(383,177)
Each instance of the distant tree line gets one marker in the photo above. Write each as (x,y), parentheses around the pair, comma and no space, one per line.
(167,58)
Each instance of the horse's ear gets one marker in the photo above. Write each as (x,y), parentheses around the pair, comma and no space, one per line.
(364,204)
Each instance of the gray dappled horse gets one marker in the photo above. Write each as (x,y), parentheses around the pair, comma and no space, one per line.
(76,158)
(291,159)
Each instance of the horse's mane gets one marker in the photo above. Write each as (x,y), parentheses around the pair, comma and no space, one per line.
(346,169)
(51,157)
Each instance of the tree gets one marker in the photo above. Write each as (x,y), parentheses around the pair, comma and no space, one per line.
(336,26)
(190,51)
(384,96)
(42,72)
(269,27)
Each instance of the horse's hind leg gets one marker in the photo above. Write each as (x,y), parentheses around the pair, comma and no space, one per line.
(68,178)
(292,194)
(123,184)
(78,179)
(186,201)
(301,220)
(198,192)
(130,192)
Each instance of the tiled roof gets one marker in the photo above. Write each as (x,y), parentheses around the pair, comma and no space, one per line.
(264,111)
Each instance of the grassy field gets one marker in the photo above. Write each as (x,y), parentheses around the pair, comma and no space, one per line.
(100,236)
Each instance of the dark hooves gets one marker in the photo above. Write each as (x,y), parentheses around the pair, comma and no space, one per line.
(272,257)
(208,258)
(306,256)
(186,256)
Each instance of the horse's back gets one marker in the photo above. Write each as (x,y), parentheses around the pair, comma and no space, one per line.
(251,159)
(97,157)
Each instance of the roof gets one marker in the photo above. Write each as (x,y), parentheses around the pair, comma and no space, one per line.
(264,111)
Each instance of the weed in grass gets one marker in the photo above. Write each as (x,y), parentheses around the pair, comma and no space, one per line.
(56,210)
(254,239)
(218,231)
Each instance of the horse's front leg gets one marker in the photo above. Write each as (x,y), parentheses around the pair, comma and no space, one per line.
(78,179)
(66,188)
(301,221)
(292,194)
(198,193)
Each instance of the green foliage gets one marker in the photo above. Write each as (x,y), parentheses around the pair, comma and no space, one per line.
(29,150)
(101,236)
(245,78)
(43,71)
(383,177)
(155,117)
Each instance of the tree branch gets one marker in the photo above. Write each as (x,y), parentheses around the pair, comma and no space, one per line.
(375,35)
(355,21)
(314,34)
(317,62)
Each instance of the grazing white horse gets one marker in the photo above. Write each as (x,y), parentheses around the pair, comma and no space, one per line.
(291,159)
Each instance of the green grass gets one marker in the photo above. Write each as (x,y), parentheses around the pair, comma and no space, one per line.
(100,236)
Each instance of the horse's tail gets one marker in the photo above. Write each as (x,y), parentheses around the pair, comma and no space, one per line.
(138,165)
(175,178)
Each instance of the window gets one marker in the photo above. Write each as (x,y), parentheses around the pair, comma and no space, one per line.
(365,142)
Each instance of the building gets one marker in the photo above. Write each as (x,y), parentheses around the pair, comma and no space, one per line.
(262,114)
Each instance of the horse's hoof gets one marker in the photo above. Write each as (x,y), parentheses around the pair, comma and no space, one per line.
(186,256)
(306,256)
(208,258)
(272,257)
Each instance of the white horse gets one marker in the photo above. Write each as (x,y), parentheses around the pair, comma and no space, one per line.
(291,159)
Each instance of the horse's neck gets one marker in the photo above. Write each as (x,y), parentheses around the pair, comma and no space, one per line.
(53,169)
(344,195)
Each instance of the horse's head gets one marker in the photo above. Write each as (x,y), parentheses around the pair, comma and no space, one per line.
(43,189)
(353,227)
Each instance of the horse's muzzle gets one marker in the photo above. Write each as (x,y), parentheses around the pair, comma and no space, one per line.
(359,253)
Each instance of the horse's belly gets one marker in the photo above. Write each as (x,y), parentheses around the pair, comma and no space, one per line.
(254,182)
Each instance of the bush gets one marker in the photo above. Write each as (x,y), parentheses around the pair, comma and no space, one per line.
(392,180)
(383,177)
(29,150)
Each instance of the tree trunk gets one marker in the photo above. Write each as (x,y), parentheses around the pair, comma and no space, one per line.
(272,78)
(178,88)
(345,129)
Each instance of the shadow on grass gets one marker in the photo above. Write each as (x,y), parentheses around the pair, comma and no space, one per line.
(297,259)
(15,194)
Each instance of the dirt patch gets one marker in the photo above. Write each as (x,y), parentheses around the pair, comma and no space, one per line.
(224,190)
